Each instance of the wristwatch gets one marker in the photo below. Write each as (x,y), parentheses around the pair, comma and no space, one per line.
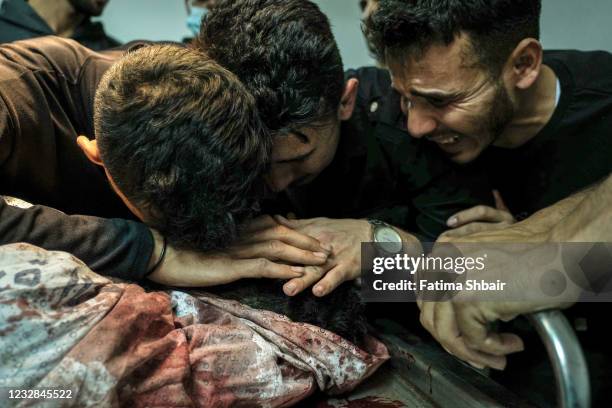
(385,238)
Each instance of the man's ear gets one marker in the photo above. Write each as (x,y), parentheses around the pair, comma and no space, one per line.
(349,97)
(90,148)
(525,63)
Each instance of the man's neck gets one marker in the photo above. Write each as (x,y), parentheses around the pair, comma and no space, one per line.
(60,15)
(536,106)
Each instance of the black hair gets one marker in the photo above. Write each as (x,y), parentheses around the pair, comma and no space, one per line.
(495,27)
(341,312)
(285,54)
(181,138)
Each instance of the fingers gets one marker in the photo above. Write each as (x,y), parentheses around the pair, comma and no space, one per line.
(259,223)
(264,268)
(473,327)
(332,280)
(311,275)
(472,228)
(439,319)
(426,317)
(276,232)
(498,344)
(449,336)
(275,250)
(289,222)
(499,201)
(480,213)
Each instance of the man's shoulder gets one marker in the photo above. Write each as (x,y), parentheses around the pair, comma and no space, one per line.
(376,101)
(587,69)
(19,21)
(372,80)
(53,54)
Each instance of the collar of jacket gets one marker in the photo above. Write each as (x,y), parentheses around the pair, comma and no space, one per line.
(21,14)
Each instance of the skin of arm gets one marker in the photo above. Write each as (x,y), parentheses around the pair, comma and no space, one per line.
(543,226)
(462,326)
(186,268)
(591,218)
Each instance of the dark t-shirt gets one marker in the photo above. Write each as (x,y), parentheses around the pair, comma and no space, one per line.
(573,151)
(47,87)
(19,21)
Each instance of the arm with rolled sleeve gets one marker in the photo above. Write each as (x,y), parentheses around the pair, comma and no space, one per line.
(111,247)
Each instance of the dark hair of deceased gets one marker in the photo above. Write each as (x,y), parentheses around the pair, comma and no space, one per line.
(495,27)
(285,54)
(181,138)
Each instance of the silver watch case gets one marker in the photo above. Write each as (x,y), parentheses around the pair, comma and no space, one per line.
(385,237)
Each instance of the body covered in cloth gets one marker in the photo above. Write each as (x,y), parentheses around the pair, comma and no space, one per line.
(112,343)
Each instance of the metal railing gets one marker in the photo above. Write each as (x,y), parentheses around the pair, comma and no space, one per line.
(565,353)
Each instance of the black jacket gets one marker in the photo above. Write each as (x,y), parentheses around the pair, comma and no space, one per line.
(19,21)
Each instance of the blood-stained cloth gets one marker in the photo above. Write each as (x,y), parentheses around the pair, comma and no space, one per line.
(114,343)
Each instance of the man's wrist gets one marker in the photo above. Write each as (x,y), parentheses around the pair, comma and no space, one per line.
(162,252)
(158,245)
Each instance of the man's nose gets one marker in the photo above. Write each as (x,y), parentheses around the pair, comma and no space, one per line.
(420,123)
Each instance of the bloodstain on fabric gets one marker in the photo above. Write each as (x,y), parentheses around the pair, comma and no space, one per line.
(118,344)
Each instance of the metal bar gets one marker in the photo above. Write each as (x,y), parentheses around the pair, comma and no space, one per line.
(565,353)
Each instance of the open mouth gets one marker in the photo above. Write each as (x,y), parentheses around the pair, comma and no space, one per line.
(445,139)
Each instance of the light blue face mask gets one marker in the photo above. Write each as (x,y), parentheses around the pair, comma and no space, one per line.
(194,19)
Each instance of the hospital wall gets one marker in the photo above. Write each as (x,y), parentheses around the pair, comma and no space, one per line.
(565,24)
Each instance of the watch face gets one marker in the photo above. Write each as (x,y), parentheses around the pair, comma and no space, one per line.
(388,240)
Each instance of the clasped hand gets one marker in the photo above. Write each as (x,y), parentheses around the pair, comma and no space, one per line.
(326,251)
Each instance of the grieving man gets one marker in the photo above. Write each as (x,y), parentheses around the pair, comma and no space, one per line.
(475,81)
(23,19)
(178,147)
(339,148)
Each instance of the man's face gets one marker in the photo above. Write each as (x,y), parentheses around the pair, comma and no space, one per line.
(89,7)
(452,101)
(299,157)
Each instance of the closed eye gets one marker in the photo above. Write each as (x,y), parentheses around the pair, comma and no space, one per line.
(438,103)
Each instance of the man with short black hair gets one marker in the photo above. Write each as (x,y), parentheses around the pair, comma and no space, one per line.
(23,19)
(475,80)
(179,142)
(339,150)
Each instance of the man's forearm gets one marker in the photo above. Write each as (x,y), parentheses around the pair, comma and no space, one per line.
(545,225)
(590,220)
(111,247)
